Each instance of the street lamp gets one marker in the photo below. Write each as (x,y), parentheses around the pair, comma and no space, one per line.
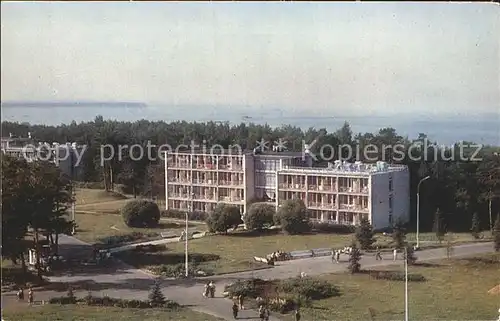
(418,209)
(190,208)
(406,283)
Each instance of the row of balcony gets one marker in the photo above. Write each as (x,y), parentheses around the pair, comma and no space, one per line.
(334,206)
(208,182)
(324,188)
(205,198)
(211,167)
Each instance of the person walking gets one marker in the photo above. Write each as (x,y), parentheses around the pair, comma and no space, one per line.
(267,314)
(334,255)
(20,294)
(297,315)
(235,310)
(261,312)
(378,256)
(395,254)
(337,257)
(31,297)
(241,300)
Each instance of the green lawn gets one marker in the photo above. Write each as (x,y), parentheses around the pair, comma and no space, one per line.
(94,226)
(92,313)
(454,290)
(87,196)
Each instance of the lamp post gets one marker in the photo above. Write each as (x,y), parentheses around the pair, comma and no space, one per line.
(190,208)
(418,209)
(406,284)
(73,205)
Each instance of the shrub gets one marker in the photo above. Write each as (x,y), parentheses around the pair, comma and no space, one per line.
(396,276)
(126,238)
(249,288)
(476,226)
(224,217)
(293,217)
(364,234)
(141,213)
(177,270)
(112,302)
(259,215)
(150,248)
(409,255)
(354,258)
(282,305)
(326,227)
(156,297)
(399,235)
(181,215)
(309,288)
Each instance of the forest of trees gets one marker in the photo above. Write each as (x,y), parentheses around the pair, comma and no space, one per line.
(458,188)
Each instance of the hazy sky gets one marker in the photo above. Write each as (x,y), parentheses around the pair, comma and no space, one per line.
(348,57)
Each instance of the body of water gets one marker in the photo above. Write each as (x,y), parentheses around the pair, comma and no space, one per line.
(483,129)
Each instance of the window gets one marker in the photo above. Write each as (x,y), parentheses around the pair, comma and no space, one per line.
(390,203)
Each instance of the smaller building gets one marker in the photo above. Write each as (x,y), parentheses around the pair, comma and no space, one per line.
(68,156)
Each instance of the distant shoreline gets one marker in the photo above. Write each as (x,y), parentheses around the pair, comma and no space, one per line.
(44,104)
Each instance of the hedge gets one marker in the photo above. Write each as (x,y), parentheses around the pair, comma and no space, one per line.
(126,238)
(110,302)
(326,227)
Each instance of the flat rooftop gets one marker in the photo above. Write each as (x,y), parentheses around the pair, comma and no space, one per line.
(352,169)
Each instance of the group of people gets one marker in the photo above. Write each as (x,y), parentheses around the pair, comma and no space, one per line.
(277,256)
(209,290)
(20,295)
(336,253)
(238,305)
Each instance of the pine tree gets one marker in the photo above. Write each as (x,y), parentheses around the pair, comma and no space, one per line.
(354,258)
(475,228)
(156,297)
(496,234)
(364,234)
(409,255)
(438,227)
(399,235)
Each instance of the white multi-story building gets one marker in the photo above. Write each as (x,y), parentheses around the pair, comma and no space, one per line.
(343,193)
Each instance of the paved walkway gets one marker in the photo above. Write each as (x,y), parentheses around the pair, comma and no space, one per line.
(124,281)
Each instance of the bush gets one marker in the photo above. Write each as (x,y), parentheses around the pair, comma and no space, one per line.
(150,248)
(126,238)
(224,217)
(396,276)
(248,288)
(326,227)
(259,215)
(293,217)
(141,213)
(177,270)
(112,302)
(309,288)
(181,215)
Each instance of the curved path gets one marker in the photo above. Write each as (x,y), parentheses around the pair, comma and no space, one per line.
(121,280)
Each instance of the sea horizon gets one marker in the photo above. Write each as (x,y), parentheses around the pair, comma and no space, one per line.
(442,128)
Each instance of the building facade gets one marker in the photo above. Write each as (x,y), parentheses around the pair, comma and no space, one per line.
(65,156)
(343,193)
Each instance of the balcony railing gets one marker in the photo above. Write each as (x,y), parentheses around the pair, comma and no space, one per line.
(353,207)
(231,167)
(292,186)
(204,181)
(230,199)
(362,190)
(322,205)
(322,188)
(230,183)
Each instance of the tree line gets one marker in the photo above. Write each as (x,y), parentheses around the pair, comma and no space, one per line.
(466,193)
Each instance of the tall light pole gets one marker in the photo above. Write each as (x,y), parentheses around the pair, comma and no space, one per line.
(418,209)
(73,205)
(406,283)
